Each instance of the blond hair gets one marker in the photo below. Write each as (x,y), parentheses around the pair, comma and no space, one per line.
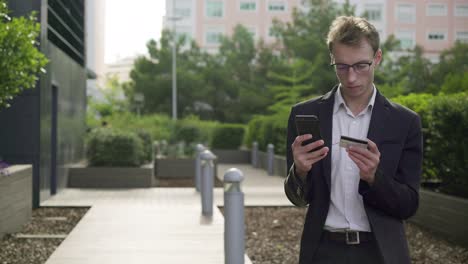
(351,30)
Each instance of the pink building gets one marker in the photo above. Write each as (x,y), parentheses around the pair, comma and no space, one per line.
(433,24)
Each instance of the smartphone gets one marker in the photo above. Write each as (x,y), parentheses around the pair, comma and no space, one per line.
(308,124)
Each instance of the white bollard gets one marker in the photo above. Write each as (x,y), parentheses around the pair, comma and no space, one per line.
(207,182)
(271,158)
(234,230)
(198,168)
(254,154)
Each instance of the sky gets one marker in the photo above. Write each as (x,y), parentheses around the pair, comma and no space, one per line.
(129,25)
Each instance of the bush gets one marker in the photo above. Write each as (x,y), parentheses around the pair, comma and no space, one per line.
(108,147)
(147,141)
(420,103)
(20,58)
(269,129)
(187,133)
(449,145)
(228,136)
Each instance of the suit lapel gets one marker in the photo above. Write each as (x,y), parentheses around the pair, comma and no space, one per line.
(380,116)
(326,123)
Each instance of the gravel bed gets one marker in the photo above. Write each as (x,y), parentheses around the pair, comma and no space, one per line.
(44,221)
(273,236)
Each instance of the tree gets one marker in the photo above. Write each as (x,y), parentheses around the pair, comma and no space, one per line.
(20,59)
(305,37)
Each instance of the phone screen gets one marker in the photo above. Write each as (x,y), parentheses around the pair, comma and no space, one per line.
(308,124)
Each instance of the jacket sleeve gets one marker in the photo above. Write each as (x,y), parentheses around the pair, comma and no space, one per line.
(398,194)
(295,188)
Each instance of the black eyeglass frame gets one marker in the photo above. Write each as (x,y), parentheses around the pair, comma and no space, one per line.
(353,66)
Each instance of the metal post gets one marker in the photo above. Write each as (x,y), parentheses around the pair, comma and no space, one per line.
(207,182)
(198,169)
(234,243)
(255,154)
(271,157)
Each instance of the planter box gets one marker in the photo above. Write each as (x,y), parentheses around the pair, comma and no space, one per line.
(176,168)
(443,214)
(111,177)
(231,156)
(15,198)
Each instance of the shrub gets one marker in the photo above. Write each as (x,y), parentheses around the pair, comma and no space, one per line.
(449,146)
(187,133)
(421,103)
(20,58)
(228,136)
(269,129)
(147,141)
(108,147)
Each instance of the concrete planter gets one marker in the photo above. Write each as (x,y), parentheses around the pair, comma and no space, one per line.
(15,198)
(174,167)
(231,156)
(443,214)
(111,177)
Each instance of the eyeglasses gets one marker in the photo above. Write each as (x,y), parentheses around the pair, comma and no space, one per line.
(360,67)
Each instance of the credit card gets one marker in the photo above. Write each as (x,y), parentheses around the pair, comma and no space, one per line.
(345,142)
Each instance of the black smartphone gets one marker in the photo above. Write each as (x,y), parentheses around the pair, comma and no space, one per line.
(308,124)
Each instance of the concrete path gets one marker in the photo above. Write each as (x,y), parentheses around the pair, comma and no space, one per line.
(155,225)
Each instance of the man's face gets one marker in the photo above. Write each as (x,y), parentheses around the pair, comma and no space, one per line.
(356,82)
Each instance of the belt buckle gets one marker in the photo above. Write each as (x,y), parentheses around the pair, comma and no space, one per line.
(352,239)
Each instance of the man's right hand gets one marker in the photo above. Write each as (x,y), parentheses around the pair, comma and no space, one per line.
(303,159)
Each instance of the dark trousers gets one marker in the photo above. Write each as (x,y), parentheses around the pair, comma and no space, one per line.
(335,252)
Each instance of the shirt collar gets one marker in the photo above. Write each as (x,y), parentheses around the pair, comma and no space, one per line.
(339,101)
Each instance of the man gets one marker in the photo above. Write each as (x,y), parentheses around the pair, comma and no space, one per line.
(358,198)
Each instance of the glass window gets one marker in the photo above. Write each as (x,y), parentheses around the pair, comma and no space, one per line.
(214,8)
(373,11)
(406,38)
(436,10)
(182,12)
(461,10)
(462,36)
(213,37)
(276,6)
(436,36)
(248,5)
(406,13)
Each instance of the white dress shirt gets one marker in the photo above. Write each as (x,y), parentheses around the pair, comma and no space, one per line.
(346,207)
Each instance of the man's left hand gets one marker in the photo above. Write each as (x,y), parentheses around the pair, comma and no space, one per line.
(367,160)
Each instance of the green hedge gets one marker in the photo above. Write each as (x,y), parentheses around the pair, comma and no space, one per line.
(449,145)
(109,147)
(228,136)
(268,129)
(147,141)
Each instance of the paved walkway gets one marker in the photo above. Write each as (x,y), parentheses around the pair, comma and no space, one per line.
(155,225)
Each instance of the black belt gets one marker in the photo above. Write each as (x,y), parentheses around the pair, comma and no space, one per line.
(348,237)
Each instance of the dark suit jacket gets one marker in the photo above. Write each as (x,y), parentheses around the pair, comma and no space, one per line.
(392,198)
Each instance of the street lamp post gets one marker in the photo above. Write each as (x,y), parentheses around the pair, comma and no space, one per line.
(174,72)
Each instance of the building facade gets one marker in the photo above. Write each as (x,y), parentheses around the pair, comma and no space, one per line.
(433,24)
(46,124)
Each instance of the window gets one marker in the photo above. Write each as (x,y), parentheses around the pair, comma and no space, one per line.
(214,8)
(245,5)
(373,11)
(253,32)
(182,12)
(436,10)
(183,8)
(462,36)
(406,13)
(213,36)
(436,36)
(184,31)
(461,10)
(406,38)
(276,6)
